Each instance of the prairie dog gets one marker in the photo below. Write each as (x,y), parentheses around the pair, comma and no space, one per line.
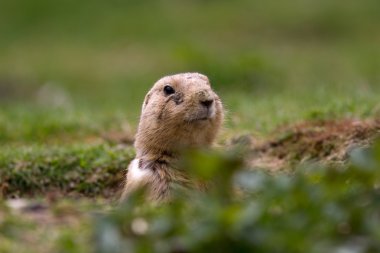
(180,111)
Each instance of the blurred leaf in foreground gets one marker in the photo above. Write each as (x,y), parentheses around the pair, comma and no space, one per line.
(315,210)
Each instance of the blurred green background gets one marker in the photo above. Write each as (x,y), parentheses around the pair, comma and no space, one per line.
(76,68)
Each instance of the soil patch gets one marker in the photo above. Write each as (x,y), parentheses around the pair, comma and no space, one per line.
(327,141)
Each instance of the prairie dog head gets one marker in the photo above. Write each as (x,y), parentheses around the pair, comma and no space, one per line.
(179,111)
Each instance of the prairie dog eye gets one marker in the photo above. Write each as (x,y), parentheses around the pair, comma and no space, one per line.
(168,90)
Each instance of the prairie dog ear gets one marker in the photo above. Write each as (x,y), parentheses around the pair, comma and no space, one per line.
(146,100)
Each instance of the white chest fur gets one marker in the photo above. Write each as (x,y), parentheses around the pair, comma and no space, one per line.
(137,174)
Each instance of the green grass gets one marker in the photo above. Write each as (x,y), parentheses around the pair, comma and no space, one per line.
(41,124)
(83,170)
(49,230)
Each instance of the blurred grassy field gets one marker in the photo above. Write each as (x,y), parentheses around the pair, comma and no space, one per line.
(74,69)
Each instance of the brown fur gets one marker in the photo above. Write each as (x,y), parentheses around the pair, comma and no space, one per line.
(169,123)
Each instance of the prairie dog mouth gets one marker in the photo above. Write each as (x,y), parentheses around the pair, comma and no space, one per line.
(203,115)
(193,120)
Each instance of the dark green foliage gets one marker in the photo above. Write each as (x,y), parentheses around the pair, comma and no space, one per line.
(314,210)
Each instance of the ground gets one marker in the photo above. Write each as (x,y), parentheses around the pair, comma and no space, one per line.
(64,190)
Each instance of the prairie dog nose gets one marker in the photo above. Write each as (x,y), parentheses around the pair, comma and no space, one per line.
(207,103)
(205,98)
